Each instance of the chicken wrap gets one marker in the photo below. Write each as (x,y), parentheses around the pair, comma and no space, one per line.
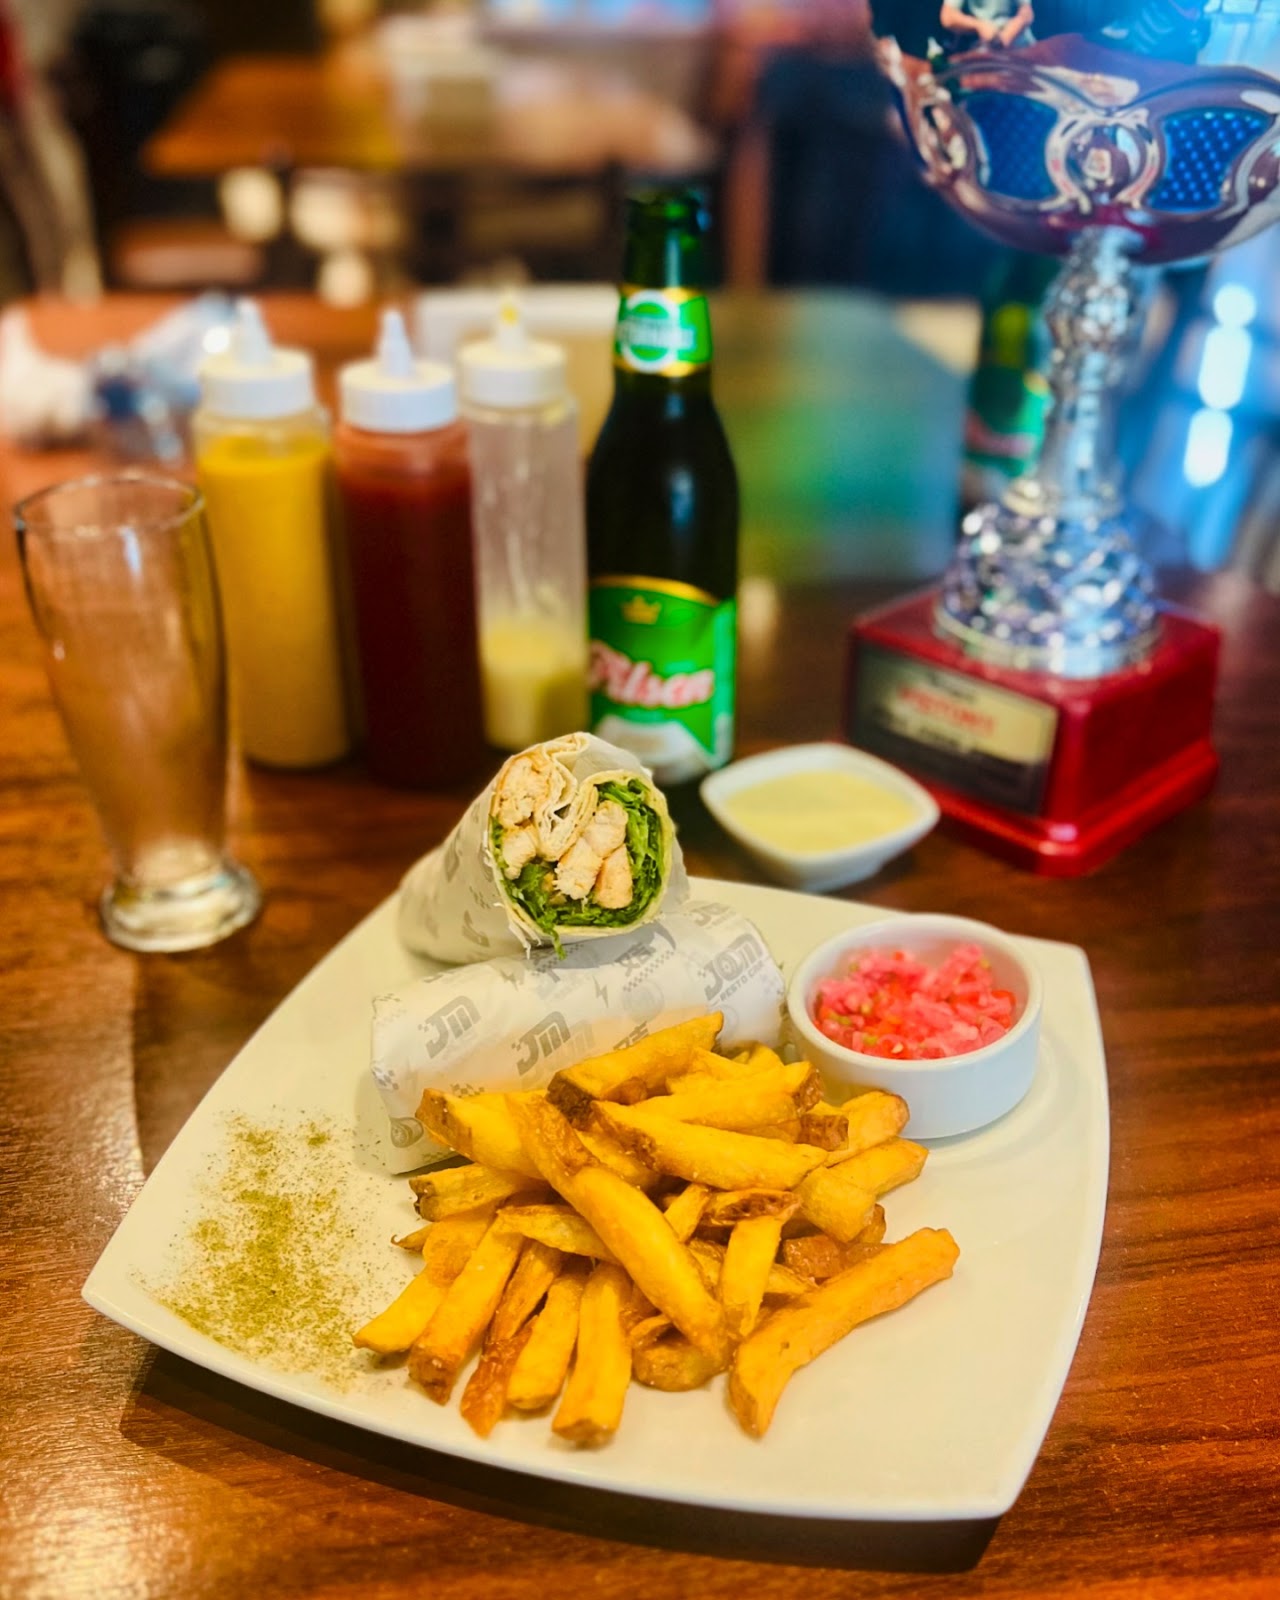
(572,840)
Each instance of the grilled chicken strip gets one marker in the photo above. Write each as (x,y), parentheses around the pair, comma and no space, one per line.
(607,828)
(613,884)
(524,789)
(519,847)
(577,870)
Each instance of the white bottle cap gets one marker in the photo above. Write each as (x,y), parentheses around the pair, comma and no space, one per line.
(393,393)
(251,377)
(511,370)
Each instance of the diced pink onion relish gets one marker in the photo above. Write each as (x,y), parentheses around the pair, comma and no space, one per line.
(892,1004)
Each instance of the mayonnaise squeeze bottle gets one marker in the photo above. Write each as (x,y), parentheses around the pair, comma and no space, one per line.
(530,548)
(264,461)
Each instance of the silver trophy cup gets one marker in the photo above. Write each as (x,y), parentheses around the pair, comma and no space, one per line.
(1117,162)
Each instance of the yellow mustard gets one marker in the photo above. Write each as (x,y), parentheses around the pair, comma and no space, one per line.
(264,462)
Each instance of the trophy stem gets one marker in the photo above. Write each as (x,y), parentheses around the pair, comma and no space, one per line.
(1092,311)
(1047,579)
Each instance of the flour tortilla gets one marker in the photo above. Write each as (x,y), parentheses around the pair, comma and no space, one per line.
(455,905)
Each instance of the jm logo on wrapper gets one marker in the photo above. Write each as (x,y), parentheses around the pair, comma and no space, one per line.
(542,1041)
(451,1021)
(730,967)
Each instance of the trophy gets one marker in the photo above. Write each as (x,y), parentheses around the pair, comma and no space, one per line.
(1056,709)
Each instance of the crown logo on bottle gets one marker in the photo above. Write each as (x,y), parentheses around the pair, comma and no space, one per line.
(640,610)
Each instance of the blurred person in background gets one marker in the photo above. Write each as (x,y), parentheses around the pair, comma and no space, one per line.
(997,24)
(46,220)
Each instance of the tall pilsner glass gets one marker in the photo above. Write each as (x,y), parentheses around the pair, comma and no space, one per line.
(120,578)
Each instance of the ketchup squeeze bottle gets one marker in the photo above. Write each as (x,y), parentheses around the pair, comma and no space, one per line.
(404,486)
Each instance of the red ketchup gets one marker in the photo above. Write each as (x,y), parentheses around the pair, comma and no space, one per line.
(400,454)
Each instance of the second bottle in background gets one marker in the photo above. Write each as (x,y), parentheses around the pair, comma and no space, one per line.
(530,555)
(405,488)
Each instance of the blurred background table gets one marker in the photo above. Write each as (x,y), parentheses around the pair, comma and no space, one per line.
(535,164)
(129,1472)
(549,116)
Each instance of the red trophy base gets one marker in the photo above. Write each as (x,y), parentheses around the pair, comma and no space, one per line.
(1057,774)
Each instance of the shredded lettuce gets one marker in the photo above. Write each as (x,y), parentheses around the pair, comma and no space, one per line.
(535,892)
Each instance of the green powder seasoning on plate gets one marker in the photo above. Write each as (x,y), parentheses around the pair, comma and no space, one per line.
(262,1268)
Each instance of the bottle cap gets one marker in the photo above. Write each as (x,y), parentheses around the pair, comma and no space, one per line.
(511,370)
(251,377)
(393,393)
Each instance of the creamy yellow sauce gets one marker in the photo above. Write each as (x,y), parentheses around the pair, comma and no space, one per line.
(534,674)
(815,812)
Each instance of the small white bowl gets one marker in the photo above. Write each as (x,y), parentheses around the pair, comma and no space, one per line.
(831,869)
(951,1094)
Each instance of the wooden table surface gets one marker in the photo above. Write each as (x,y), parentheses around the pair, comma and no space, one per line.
(548,118)
(127,1472)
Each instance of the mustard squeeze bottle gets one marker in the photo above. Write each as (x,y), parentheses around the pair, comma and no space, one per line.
(264,461)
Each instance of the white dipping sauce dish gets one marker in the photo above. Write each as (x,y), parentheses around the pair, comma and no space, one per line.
(950,1094)
(831,869)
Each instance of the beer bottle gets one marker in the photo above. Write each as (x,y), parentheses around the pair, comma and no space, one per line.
(1008,402)
(662,511)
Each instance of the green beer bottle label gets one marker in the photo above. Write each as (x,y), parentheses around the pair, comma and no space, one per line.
(661,673)
(663,331)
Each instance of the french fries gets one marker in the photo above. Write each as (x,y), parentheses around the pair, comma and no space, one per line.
(596,1391)
(782,1281)
(460,1319)
(884,1166)
(672,1364)
(479,1126)
(633,1072)
(840,1200)
(535,1272)
(544,1253)
(708,1155)
(446,1249)
(632,1227)
(743,1103)
(827,1130)
(560,1227)
(835,1205)
(686,1210)
(744,1273)
(872,1118)
(819,1256)
(452,1189)
(794,1335)
(485,1397)
(731,1206)
(539,1372)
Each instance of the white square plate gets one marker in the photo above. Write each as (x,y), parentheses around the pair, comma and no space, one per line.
(933,1413)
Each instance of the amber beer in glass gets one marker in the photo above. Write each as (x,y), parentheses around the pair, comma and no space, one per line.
(662,511)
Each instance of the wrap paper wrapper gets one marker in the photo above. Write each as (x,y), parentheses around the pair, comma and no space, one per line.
(453,906)
(510,1023)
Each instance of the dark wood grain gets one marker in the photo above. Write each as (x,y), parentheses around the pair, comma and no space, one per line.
(128,1473)
(336,110)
